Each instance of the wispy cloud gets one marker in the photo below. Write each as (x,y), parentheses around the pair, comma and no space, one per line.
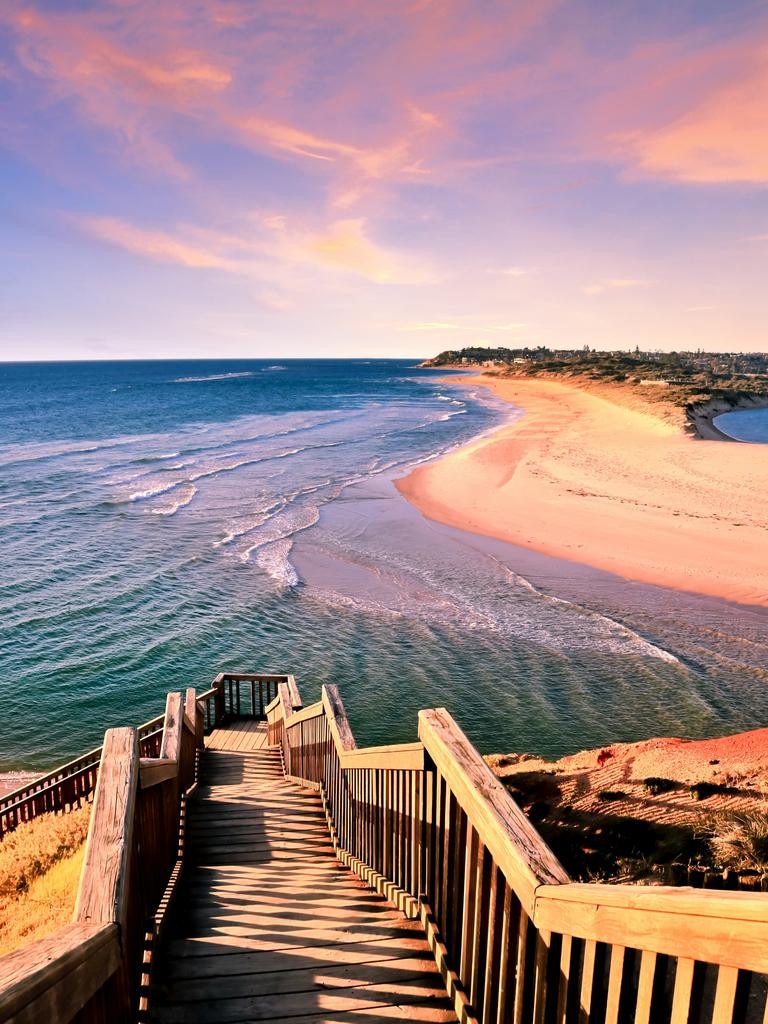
(341,247)
(721,135)
(612,284)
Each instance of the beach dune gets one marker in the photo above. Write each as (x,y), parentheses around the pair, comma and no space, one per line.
(615,483)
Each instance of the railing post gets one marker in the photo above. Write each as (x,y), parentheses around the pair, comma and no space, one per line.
(104,893)
(218,701)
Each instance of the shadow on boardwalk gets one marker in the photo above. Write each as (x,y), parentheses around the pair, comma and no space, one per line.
(269,926)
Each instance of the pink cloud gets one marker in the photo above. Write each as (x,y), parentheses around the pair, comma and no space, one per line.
(266,250)
(721,139)
(160,246)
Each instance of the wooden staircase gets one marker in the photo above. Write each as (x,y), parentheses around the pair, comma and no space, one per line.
(239,870)
(269,925)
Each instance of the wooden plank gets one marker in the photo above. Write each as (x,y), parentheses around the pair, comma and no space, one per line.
(424,992)
(312,711)
(615,979)
(645,988)
(103,892)
(508,932)
(543,944)
(52,978)
(293,691)
(286,978)
(237,964)
(170,747)
(396,757)
(157,769)
(681,1000)
(587,982)
(725,995)
(674,900)
(566,956)
(337,719)
(520,994)
(686,924)
(515,845)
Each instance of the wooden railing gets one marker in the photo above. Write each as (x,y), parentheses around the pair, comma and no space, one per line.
(94,969)
(69,785)
(238,694)
(430,826)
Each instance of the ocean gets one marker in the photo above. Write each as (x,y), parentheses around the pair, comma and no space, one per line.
(745,425)
(164,521)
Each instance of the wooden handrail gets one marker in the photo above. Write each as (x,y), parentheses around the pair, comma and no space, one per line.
(64,787)
(515,845)
(311,711)
(53,978)
(94,965)
(397,757)
(430,826)
(154,770)
(729,928)
(103,894)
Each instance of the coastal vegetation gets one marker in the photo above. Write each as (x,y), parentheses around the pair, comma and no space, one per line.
(682,378)
(703,823)
(40,865)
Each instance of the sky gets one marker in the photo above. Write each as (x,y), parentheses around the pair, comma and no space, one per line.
(265,178)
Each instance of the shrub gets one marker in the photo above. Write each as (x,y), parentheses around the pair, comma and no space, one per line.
(740,840)
(656,785)
(611,794)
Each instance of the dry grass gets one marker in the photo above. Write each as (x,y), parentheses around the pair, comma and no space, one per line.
(46,905)
(740,841)
(39,870)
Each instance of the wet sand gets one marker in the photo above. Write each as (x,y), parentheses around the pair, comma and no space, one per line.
(612,482)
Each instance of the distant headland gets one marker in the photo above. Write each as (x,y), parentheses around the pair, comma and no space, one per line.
(693,387)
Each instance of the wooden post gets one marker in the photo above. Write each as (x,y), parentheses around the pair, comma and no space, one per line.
(170,748)
(194,714)
(218,701)
(103,893)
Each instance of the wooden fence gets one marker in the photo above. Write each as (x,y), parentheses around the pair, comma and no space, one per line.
(69,785)
(91,969)
(97,969)
(238,694)
(430,826)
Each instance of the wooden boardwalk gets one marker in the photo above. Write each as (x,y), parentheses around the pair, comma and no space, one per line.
(269,926)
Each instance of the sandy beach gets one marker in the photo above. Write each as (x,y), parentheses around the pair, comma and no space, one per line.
(613,482)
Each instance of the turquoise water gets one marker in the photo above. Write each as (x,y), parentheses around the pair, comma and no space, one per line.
(745,425)
(163,521)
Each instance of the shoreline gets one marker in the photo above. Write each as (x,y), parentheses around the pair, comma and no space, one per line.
(603,477)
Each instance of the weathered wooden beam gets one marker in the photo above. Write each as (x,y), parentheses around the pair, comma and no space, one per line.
(153,770)
(53,978)
(255,677)
(170,748)
(312,711)
(515,845)
(272,705)
(396,757)
(103,893)
(728,928)
(293,689)
(337,719)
